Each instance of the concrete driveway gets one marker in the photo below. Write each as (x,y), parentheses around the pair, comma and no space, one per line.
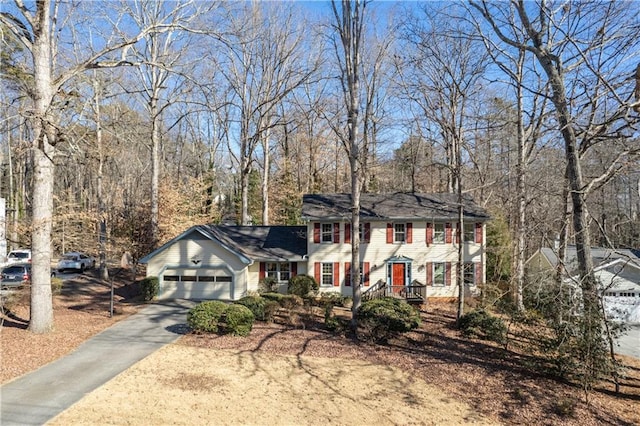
(629,343)
(37,397)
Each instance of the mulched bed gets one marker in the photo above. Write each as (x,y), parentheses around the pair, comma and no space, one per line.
(491,379)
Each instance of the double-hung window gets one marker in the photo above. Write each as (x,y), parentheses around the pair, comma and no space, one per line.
(399,233)
(327,233)
(469,274)
(326,276)
(469,233)
(438,233)
(438,274)
(278,271)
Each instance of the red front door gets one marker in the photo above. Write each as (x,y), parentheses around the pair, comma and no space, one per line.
(397,277)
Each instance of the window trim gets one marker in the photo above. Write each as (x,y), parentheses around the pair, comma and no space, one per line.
(437,232)
(435,282)
(278,272)
(324,233)
(323,274)
(396,233)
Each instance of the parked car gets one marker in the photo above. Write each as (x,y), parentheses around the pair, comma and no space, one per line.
(19,256)
(15,275)
(76,260)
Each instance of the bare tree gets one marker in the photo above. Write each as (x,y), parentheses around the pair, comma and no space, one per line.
(263,61)
(349,28)
(37,30)
(585,50)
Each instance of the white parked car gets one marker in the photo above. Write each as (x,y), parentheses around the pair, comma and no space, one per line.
(76,260)
(19,256)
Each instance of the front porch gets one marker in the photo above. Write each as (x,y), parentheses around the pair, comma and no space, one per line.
(415,293)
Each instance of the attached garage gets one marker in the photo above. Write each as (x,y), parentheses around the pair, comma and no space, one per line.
(200,283)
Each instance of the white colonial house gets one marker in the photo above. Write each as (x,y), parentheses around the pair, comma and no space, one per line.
(408,242)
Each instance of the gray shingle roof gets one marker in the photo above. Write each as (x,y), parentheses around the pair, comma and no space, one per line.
(261,243)
(391,206)
(600,256)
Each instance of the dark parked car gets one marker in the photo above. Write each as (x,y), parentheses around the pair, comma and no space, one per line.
(15,275)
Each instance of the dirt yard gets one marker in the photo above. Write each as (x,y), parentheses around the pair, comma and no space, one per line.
(283,374)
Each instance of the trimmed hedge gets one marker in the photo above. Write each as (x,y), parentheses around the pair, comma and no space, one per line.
(149,287)
(256,305)
(205,317)
(303,286)
(381,319)
(214,316)
(238,320)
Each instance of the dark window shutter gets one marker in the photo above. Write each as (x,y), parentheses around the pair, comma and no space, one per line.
(478,232)
(409,233)
(347,233)
(263,268)
(447,273)
(316,271)
(366,274)
(367,232)
(478,273)
(316,232)
(447,233)
(458,233)
(347,274)
(336,233)
(336,274)
(294,269)
(389,233)
(429,236)
(429,268)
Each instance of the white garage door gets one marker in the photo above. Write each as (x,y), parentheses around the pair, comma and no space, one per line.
(203,283)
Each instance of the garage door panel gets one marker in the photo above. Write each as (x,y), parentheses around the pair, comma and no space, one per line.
(196,284)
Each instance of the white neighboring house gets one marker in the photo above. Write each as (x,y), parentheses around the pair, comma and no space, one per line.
(616,270)
(407,241)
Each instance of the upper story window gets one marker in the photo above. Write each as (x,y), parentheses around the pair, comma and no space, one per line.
(327,233)
(438,233)
(469,233)
(399,233)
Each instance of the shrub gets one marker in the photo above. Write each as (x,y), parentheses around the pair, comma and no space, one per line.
(56,285)
(206,316)
(303,286)
(380,319)
(270,309)
(287,301)
(255,304)
(333,298)
(333,323)
(149,287)
(481,324)
(238,320)
(268,285)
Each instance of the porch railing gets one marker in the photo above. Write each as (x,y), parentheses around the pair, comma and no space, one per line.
(416,292)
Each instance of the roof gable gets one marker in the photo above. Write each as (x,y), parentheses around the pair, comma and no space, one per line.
(248,243)
(391,206)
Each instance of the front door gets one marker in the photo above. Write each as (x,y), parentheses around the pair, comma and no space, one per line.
(398,277)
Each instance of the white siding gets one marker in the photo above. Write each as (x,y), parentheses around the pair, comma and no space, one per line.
(210,255)
(377,251)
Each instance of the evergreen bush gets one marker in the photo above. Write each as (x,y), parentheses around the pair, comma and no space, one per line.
(238,320)
(149,287)
(381,319)
(303,286)
(256,305)
(268,285)
(481,324)
(205,317)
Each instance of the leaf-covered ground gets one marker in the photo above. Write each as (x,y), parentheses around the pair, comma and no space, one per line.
(482,381)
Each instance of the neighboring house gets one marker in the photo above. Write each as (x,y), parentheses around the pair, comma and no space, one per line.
(406,239)
(617,273)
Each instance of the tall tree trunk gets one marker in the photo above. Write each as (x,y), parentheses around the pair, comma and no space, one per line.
(102,232)
(265,177)
(155,168)
(43,151)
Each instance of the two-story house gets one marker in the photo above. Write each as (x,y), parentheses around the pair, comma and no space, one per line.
(406,239)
